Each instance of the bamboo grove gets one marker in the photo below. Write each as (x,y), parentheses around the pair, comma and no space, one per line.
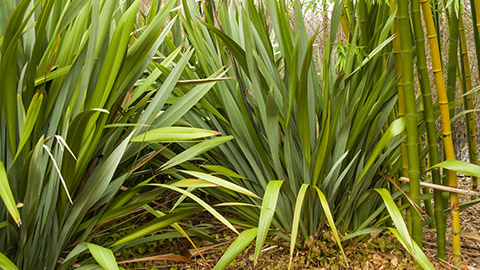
(109,111)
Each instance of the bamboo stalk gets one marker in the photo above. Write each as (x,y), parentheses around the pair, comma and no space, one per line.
(363,20)
(400,88)
(345,21)
(411,115)
(430,125)
(468,103)
(445,121)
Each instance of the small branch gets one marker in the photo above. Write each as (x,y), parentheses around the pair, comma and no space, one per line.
(444,188)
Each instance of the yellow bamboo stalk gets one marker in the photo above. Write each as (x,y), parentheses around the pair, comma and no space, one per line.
(445,121)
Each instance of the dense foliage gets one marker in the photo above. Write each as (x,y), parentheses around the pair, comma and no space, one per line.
(105,109)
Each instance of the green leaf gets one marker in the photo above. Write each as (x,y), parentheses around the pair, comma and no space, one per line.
(397,127)
(417,253)
(202,203)
(397,218)
(103,256)
(6,264)
(195,150)
(157,224)
(30,121)
(328,214)
(174,134)
(220,182)
(296,219)
(7,195)
(266,214)
(239,245)
(222,170)
(459,166)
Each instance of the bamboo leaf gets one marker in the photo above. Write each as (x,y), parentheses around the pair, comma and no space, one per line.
(459,166)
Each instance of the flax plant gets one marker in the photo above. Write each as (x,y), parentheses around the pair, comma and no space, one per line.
(323,134)
(78,122)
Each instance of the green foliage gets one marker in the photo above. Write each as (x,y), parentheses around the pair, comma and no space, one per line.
(331,133)
(80,119)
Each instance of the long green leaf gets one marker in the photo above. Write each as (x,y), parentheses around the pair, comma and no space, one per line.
(397,127)
(239,245)
(296,219)
(157,224)
(417,253)
(174,134)
(331,222)
(202,203)
(266,214)
(195,151)
(7,195)
(220,182)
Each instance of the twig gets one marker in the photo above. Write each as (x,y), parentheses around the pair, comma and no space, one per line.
(443,188)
